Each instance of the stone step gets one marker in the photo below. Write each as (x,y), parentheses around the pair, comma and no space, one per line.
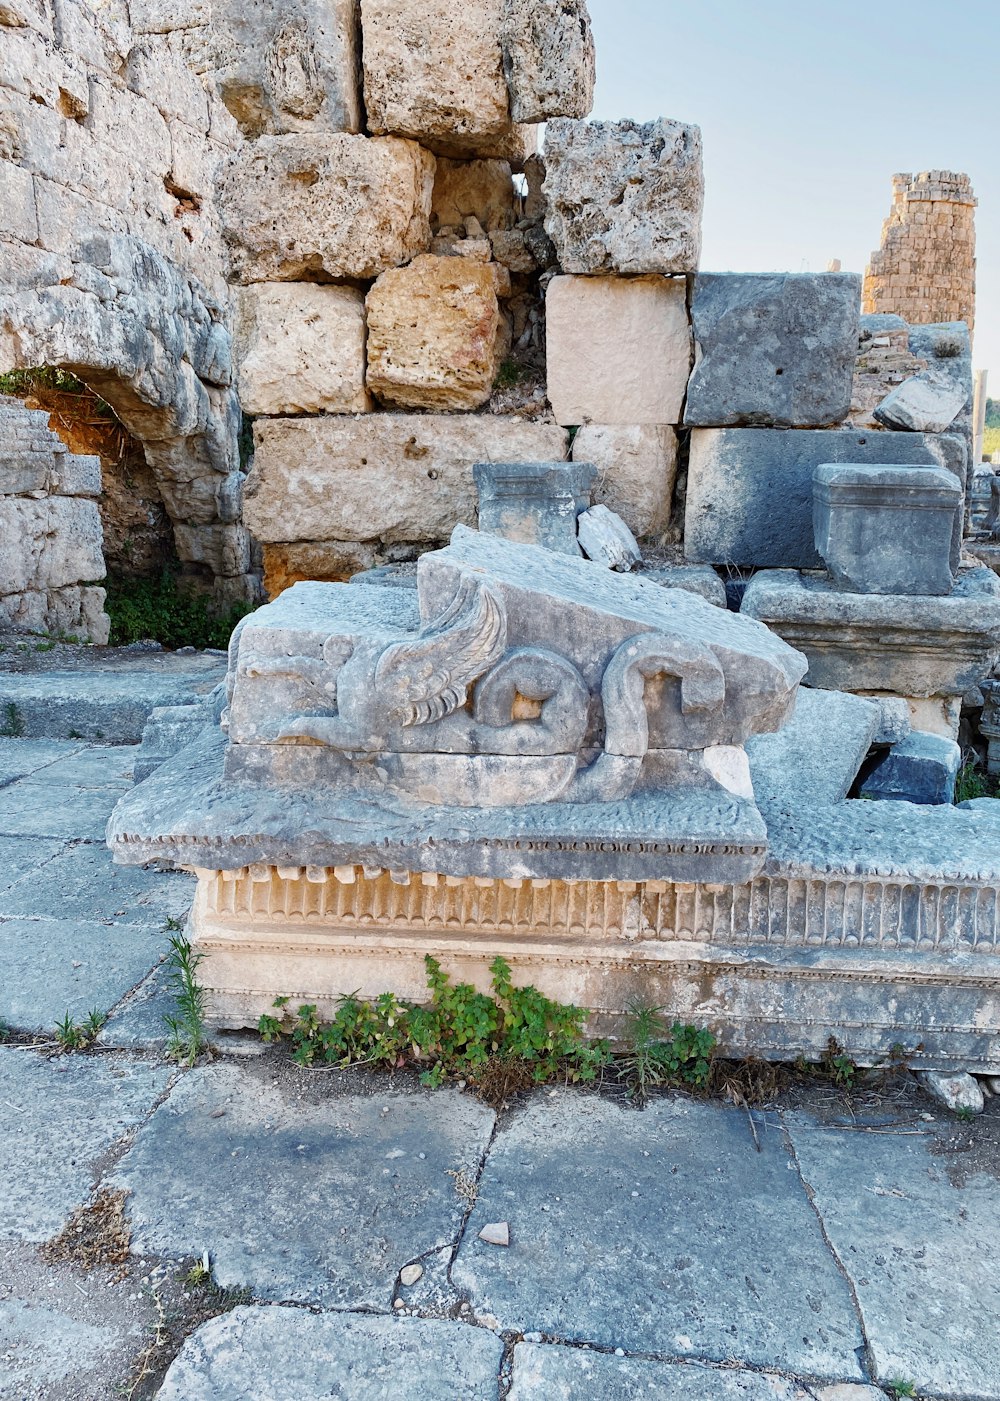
(104,698)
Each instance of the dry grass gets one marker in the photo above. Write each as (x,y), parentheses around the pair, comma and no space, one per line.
(96,1235)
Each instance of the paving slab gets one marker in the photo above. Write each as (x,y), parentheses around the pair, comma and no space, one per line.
(29,808)
(106,698)
(660,1232)
(139,1023)
(55,966)
(19,757)
(921,1253)
(60,1116)
(82,882)
(298,1194)
(275,1354)
(547,1372)
(18,855)
(90,767)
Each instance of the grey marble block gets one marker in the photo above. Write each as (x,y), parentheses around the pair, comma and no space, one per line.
(534,503)
(922,770)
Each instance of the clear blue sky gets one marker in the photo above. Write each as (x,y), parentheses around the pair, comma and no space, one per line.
(807,110)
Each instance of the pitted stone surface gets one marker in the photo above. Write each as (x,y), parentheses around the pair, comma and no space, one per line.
(921,769)
(356,1187)
(67,1113)
(913,1241)
(624,197)
(272,1353)
(623,1249)
(773,349)
(750,490)
(636,471)
(552,1373)
(548,58)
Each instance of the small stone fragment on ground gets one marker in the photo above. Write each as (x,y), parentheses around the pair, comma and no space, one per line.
(495,1233)
(409,1275)
(957,1092)
(606,539)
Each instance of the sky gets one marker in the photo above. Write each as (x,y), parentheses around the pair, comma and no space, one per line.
(807,110)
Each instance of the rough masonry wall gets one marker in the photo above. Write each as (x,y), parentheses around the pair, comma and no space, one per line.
(111,260)
(925,270)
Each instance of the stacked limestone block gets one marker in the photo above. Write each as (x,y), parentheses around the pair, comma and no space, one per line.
(387,265)
(111,259)
(51,541)
(925,269)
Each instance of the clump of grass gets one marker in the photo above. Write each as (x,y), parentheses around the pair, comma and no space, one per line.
(72,1035)
(679,1055)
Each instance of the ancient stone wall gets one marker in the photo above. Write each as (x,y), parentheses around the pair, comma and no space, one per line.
(925,269)
(110,255)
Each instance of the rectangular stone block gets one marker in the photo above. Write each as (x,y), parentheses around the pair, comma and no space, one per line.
(773,349)
(394,477)
(548,59)
(624,197)
(750,490)
(346,206)
(18,217)
(636,471)
(77,474)
(922,769)
(534,503)
(618,349)
(300,348)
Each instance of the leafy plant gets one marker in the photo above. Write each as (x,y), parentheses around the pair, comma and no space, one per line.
(840,1068)
(898,1389)
(4,1031)
(77,1036)
(165,610)
(187,1027)
(681,1055)
(13,724)
(969,783)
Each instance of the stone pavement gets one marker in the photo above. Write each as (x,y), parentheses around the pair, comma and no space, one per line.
(689,1251)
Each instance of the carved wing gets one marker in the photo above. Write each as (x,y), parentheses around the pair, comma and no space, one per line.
(426,678)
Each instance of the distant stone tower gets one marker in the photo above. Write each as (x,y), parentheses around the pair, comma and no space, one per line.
(925,270)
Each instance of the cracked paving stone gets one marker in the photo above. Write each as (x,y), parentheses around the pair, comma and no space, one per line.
(55,966)
(921,1254)
(19,855)
(274,1353)
(660,1232)
(547,1372)
(297,1193)
(29,808)
(83,882)
(58,1118)
(20,757)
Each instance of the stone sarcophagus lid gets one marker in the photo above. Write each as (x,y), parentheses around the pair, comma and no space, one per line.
(582,724)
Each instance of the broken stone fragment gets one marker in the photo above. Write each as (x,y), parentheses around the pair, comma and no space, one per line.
(606,539)
(345,206)
(926,403)
(624,197)
(495,1233)
(922,769)
(548,59)
(534,503)
(956,1091)
(410,1274)
(484,189)
(300,348)
(436,336)
(636,471)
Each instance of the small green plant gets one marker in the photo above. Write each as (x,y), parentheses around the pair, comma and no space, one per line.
(4,1031)
(509,374)
(173,925)
(187,1026)
(167,611)
(93,1024)
(838,1066)
(970,783)
(198,1276)
(965,1114)
(680,1055)
(72,1035)
(13,724)
(898,1389)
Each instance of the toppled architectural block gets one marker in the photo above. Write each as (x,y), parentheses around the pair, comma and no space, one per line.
(928,402)
(947,348)
(624,197)
(433,71)
(534,503)
(696,578)
(548,58)
(884,642)
(436,337)
(750,490)
(773,350)
(884,362)
(606,539)
(922,769)
(300,348)
(288,67)
(482,190)
(888,530)
(389,477)
(618,349)
(294,207)
(636,471)
(894,722)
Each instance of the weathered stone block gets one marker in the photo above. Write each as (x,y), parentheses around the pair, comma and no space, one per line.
(773,349)
(884,642)
(606,539)
(750,490)
(548,59)
(349,207)
(636,471)
(922,769)
(433,71)
(887,530)
(624,197)
(77,474)
(394,477)
(534,503)
(300,348)
(435,334)
(483,190)
(289,67)
(332,561)
(926,403)
(695,578)
(618,349)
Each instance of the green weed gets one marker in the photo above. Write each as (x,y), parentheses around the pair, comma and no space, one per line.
(13,724)
(77,1036)
(680,1055)
(970,783)
(165,610)
(187,1027)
